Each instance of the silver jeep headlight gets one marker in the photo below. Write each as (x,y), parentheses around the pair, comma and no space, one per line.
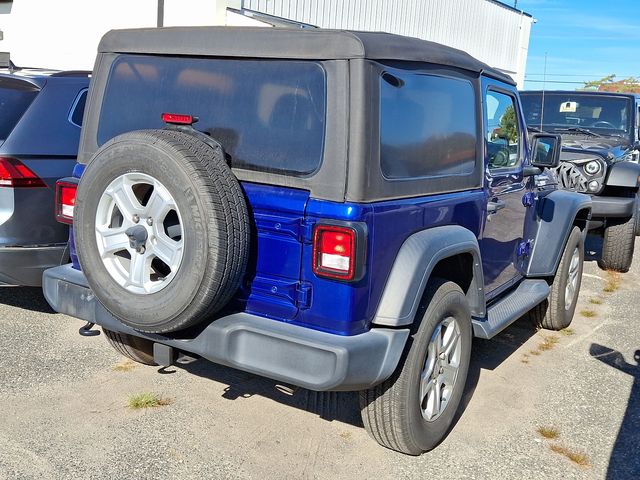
(592,167)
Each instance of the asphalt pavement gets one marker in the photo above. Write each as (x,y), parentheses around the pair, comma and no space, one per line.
(64,413)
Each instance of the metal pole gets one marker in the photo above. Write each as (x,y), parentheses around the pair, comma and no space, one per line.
(160,22)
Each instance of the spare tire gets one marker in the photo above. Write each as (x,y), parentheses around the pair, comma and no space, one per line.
(161,229)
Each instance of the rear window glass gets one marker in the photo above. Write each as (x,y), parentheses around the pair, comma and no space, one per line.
(269,115)
(15,98)
(428,125)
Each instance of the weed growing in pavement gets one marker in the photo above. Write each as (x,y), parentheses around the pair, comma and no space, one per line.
(588,313)
(612,283)
(549,433)
(595,301)
(124,366)
(548,343)
(567,332)
(576,457)
(147,400)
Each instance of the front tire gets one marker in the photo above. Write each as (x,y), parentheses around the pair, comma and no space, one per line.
(556,312)
(618,244)
(413,411)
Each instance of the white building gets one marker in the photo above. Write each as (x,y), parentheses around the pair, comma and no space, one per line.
(65,33)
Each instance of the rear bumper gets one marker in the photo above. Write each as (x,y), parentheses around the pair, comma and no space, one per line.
(284,352)
(24,265)
(605,207)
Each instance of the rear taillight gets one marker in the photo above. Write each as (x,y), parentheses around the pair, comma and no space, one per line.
(14,173)
(65,200)
(334,252)
(178,119)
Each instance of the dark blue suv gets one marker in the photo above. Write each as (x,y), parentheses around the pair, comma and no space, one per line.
(337,210)
(40,117)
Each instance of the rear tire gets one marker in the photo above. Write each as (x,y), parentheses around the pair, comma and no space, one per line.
(618,244)
(135,348)
(556,312)
(396,413)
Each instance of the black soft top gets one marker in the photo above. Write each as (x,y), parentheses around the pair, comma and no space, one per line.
(308,44)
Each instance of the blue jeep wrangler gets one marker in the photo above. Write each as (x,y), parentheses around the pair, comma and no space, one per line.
(337,210)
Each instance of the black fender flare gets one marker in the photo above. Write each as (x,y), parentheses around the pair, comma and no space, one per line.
(557,213)
(624,174)
(416,259)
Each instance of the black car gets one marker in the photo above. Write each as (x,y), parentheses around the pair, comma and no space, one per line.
(600,152)
(40,116)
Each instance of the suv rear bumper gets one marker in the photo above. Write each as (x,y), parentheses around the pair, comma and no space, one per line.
(603,207)
(285,352)
(24,265)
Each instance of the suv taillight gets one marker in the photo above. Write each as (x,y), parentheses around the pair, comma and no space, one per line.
(335,252)
(14,173)
(65,200)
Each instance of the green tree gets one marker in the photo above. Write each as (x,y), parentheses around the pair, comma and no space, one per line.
(508,126)
(610,84)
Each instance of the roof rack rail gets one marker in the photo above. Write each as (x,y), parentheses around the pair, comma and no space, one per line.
(72,73)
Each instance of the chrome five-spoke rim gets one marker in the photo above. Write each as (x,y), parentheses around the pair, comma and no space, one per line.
(440,372)
(572,280)
(139,233)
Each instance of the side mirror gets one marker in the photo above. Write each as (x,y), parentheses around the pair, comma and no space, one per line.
(545,150)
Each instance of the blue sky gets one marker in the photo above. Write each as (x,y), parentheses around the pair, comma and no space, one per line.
(583,39)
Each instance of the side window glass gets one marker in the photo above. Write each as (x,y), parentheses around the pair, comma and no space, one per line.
(427,125)
(77,111)
(502,131)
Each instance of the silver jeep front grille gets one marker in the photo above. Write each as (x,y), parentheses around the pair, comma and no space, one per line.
(570,177)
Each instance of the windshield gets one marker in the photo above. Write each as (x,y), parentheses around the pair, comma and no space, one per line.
(601,114)
(15,98)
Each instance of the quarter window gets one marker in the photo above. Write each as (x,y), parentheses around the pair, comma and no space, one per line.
(77,111)
(427,125)
(502,131)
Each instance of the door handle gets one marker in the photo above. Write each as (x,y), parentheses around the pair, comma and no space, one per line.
(493,207)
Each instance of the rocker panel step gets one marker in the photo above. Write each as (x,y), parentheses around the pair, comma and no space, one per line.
(506,311)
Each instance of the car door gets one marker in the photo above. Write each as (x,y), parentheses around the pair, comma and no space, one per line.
(501,243)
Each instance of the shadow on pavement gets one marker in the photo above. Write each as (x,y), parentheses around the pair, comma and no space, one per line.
(592,248)
(344,406)
(331,406)
(625,457)
(29,298)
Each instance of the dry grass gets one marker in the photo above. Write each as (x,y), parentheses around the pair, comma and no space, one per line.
(534,352)
(549,342)
(147,400)
(124,366)
(588,313)
(612,282)
(576,457)
(595,301)
(567,332)
(549,433)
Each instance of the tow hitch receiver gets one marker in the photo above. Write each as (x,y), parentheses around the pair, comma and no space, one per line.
(164,355)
